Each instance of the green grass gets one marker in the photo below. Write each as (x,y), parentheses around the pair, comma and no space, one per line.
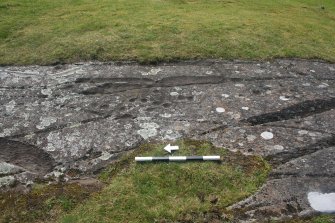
(48,31)
(324,218)
(172,191)
(43,203)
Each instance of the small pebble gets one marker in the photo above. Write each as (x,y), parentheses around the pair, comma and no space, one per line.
(312,134)
(225,95)
(323,85)
(267,135)
(302,132)
(245,108)
(278,147)
(174,93)
(165,115)
(220,110)
(284,98)
(239,85)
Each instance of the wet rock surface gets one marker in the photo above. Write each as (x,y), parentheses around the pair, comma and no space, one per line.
(65,119)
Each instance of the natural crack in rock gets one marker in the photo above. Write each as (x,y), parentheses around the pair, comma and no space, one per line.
(57,120)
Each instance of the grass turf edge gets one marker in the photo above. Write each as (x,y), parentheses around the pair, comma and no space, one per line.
(168,192)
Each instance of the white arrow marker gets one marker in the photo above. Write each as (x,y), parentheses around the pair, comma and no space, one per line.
(169,148)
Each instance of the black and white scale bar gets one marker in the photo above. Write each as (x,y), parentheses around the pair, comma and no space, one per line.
(176,158)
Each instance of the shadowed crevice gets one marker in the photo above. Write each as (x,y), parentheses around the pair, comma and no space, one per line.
(113,85)
(300,110)
(26,156)
(285,156)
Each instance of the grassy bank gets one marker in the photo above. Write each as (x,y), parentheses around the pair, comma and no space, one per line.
(166,192)
(47,31)
(44,203)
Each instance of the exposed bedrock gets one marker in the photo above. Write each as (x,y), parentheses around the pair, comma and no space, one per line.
(73,120)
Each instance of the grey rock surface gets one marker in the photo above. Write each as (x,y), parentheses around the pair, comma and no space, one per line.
(80,117)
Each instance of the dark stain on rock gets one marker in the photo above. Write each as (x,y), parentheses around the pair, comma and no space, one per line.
(300,110)
(214,129)
(190,98)
(149,109)
(166,105)
(182,97)
(144,100)
(190,80)
(156,102)
(115,80)
(213,79)
(26,156)
(104,106)
(124,116)
(285,156)
(113,85)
